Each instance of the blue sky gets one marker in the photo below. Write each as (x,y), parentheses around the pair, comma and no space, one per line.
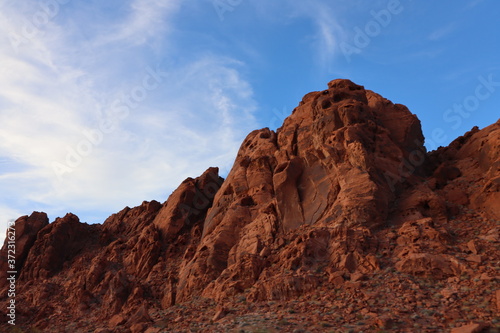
(106,104)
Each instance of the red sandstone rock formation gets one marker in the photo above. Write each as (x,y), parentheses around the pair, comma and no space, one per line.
(26,230)
(341,196)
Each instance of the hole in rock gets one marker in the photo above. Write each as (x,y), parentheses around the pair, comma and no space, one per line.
(247,201)
(325,104)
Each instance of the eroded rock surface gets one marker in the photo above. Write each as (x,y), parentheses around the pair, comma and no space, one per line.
(339,203)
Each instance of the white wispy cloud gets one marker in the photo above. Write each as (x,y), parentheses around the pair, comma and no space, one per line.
(57,86)
(331,34)
(328,30)
(442,32)
(146,20)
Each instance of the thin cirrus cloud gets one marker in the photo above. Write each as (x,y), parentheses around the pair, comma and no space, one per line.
(327,30)
(146,19)
(331,34)
(442,32)
(55,87)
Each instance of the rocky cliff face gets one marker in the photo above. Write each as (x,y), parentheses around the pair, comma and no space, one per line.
(341,196)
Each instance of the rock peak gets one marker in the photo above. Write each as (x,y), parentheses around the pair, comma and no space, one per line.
(344,84)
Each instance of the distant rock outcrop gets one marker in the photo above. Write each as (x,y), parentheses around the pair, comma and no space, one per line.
(343,191)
